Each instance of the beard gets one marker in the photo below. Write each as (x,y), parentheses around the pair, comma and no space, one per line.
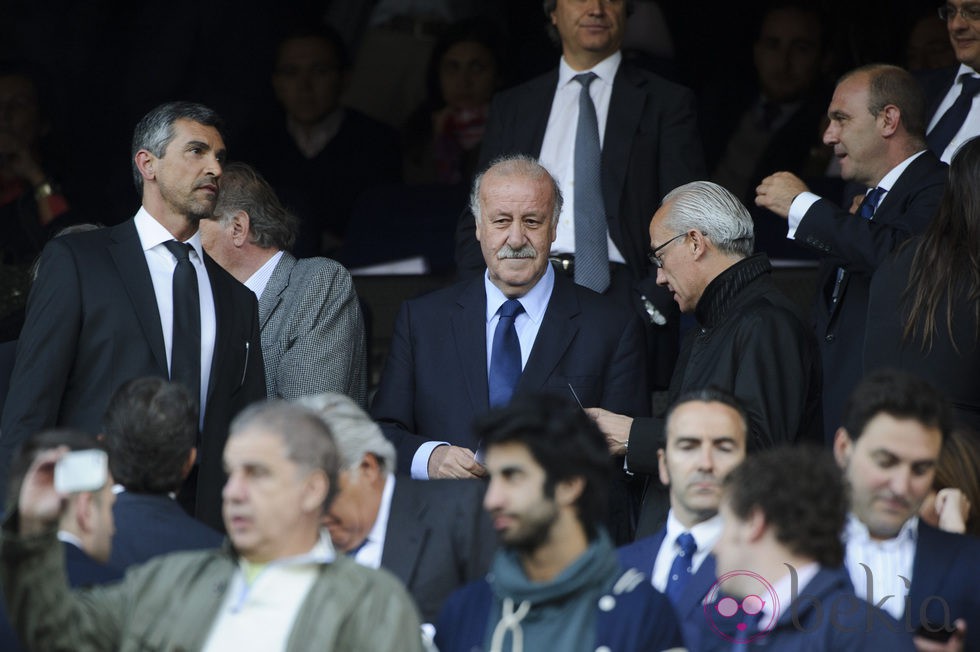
(533,528)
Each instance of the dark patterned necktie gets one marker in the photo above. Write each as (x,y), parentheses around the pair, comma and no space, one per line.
(591,248)
(942,134)
(681,570)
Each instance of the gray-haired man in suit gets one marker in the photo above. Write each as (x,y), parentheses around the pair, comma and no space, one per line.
(310,320)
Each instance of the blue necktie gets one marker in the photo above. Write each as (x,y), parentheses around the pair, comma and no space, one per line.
(870,203)
(681,570)
(942,134)
(505,358)
(591,248)
(185,352)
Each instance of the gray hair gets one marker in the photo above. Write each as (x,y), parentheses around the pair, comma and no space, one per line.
(353,430)
(155,131)
(515,165)
(707,207)
(270,225)
(308,441)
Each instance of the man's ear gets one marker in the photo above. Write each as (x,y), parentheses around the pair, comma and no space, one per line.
(889,119)
(315,492)
(756,524)
(188,463)
(370,468)
(842,447)
(146,164)
(568,491)
(700,243)
(84,509)
(240,226)
(662,467)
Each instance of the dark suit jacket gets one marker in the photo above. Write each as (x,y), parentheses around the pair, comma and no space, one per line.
(435,379)
(859,246)
(945,572)
(641,555)
(93,323)
(149,525)
(935,85)
(83,571)
(439,538)
(826,616)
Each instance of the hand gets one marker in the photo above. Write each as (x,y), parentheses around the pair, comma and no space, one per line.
(856,204)
(954,644)
(454,462)
(38,504)
(616,428)
(953,509)
(777,192)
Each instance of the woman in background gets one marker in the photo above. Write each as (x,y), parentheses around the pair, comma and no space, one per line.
(924,304)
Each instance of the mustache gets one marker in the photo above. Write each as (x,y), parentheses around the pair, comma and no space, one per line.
(505,252)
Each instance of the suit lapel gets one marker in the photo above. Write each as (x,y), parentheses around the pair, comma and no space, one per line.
(127,254)
(537,110)
(405,534)
(278,282)
(697,587)
(469,328)
(223,309)
(625,110)
(929,568)
(558,329)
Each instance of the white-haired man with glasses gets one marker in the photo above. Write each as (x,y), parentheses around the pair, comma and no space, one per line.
(750,339)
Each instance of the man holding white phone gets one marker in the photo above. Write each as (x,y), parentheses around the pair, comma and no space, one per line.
(277,585)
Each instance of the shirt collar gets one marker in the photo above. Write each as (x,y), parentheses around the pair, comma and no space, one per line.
(889,179)
(605,70)
(857,532)
(152,233)
(260,277)
(964,70)
(380,527)
(535,302)
(706,533)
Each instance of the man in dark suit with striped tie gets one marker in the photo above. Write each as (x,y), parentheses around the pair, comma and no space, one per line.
(877,130)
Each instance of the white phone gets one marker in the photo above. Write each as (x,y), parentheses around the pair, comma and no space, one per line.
(85,470)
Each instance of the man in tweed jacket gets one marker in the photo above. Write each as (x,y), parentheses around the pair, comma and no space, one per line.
(310,320)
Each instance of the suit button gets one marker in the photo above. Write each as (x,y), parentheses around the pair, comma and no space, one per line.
(830,338)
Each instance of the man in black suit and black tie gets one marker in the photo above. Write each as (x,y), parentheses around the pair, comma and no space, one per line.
(142,299)
(617,139)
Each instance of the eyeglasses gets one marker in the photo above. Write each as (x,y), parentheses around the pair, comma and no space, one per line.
(967,12)
(655,258)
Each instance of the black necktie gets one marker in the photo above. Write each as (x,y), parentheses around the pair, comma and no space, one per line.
(951,122)
(591,248)
(185,354)
(505,358)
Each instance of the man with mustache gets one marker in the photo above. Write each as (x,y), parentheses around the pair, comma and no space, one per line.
(519,327)
(705,439)
(143,299)
(877,130)
(888,444)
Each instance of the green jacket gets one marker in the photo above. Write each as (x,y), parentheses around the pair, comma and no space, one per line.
(171,602)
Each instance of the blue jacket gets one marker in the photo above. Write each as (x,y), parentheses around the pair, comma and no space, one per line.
(826,617)
(642,554)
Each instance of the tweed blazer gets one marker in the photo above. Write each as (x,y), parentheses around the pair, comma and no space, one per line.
(312,331)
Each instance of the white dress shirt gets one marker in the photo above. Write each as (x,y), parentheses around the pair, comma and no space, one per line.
(527,324)
(371,551)
(705,535)
(162,263)
(970,127)
(881,568)
(803,201)
(558,147)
